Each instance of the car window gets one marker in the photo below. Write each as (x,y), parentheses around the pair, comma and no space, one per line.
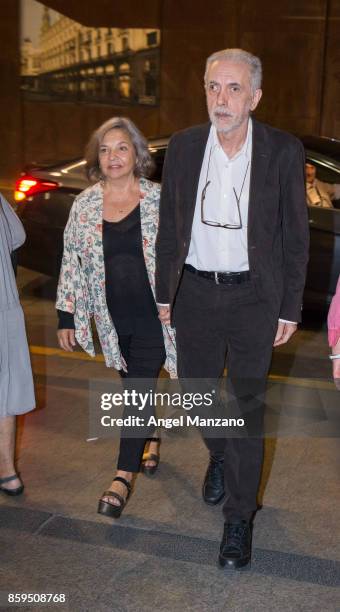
(325,173)
(327,176)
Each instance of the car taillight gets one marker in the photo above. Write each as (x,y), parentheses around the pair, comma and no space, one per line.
(27,186)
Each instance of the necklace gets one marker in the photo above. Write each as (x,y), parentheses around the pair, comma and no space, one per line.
(119,207)
(122,207)
(120,211)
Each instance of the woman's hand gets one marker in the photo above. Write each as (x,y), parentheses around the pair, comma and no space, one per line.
(164,314)
(66,339)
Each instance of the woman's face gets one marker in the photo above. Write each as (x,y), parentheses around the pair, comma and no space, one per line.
(117,156)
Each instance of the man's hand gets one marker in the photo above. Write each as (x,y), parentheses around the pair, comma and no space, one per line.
(284,332)
(66,339)
(164,314)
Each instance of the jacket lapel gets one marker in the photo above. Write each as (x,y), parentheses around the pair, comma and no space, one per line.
(259,167)
(194,164)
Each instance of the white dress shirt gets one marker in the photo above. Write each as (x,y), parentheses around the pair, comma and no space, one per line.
(220,249)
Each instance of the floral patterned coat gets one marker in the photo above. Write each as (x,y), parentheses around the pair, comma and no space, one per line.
(81,287)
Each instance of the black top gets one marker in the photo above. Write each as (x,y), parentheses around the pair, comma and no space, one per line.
(128,294)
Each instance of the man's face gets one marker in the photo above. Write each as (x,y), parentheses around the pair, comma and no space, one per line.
(310,173)
(229,94)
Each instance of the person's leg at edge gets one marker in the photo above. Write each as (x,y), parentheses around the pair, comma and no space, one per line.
(7,451)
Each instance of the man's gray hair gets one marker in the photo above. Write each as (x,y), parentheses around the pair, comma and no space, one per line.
(144,162)
(239,55)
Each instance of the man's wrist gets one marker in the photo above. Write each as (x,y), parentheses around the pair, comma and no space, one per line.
(163,305)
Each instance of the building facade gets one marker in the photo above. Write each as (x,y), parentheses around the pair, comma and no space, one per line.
(109,65)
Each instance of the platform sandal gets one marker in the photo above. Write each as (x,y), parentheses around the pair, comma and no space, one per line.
(112,510)
(146,469)
(11,492)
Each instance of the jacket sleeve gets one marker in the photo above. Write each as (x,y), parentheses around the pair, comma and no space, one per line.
(166,244)
(66,290)
(295,236)
(65,320)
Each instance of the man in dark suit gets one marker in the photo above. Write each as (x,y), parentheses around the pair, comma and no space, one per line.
(232,252)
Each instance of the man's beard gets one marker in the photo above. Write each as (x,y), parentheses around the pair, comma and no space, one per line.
(214,118)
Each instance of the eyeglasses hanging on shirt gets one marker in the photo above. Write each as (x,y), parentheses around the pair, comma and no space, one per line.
(237,225)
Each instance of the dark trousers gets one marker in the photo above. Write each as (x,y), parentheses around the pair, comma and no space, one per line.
(218,322)
(144,355)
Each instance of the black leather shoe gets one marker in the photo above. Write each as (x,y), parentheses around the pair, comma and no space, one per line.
(235,550)
(213,485)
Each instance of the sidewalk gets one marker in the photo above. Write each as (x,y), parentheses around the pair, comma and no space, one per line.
(161,554)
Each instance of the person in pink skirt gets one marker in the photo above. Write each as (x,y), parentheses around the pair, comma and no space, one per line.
(334,334)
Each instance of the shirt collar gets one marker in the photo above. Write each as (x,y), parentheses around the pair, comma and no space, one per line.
(246,147)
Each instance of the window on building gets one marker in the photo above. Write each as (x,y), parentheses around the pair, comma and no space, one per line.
(124,86)
(125,43)
(150,82)
(124,68)
(151,38)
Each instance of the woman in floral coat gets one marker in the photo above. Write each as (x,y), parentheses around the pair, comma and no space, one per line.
(107,272)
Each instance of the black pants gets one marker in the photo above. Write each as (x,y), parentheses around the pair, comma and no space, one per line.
(218,321)
(144,354)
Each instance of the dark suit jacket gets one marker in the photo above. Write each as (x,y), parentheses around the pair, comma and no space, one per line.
(278,235)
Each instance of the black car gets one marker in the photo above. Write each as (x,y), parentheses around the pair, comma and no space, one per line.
(44,197)
(324,253)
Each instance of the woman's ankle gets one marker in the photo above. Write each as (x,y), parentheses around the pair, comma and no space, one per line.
(123,474)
